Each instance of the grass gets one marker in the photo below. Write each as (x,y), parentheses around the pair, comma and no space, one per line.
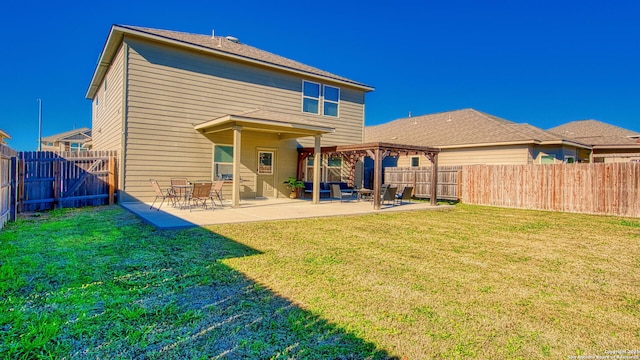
(472,282)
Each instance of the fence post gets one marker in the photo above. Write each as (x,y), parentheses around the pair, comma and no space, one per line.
(112,178)
(20,165)
(459,185)
(13,175)
(56,184)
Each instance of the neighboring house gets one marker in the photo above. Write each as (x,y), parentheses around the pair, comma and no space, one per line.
(74,140)
(4,137)
(609,143)
(175,104)
(468,136)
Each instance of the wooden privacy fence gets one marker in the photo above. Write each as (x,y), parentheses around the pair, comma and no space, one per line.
(7,182)
(611,189)
(47,180)
(448,186)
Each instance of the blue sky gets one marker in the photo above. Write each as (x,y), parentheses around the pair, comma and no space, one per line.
(538,62)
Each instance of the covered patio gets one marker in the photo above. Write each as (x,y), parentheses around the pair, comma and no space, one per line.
(376,151)
(262,126)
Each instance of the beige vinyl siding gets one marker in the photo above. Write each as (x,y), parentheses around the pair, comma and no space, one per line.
(107,117)
(559,152)
(491,155)
(170,90)
(616,155)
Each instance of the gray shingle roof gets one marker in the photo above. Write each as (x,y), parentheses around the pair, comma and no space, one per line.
(457,128)
(223,44)
(79,135)
(594,132)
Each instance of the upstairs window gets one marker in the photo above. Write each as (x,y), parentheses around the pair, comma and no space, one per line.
(415,161)
(320,100)
(331,99)
(310,97)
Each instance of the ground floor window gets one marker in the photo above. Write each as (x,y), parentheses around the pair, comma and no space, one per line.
(330,169)
(265,162)
(223,162)
(334,169)
(547,159)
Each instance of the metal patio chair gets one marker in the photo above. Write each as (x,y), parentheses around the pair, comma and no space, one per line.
(200,193)
(162,194)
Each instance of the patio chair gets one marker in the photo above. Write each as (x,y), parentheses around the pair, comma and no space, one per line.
(216,192)
(200,194)
(166,194)
(338,193)
(405,195)
(389,195)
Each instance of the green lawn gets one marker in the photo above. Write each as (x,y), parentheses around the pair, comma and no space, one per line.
(472,282)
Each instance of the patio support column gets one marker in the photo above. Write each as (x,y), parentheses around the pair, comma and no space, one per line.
(434,179)
(377,177)
(317,157)
(237,145)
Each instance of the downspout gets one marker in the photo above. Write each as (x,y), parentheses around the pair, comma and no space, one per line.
(125,114)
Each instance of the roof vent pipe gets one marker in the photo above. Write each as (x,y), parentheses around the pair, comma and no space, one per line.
(213,34)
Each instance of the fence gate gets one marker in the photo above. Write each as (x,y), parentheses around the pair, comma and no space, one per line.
(65,179)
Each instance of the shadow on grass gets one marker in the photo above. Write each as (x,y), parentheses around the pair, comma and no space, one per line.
(99,283)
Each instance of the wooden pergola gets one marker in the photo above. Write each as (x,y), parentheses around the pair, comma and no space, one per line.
(377,151)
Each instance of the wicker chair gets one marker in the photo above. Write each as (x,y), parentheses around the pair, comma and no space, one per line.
(405,195)
(389,194)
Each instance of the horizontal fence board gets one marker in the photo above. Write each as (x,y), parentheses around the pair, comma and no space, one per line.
(39,201)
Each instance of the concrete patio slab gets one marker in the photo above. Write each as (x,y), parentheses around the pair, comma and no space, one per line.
(252,210)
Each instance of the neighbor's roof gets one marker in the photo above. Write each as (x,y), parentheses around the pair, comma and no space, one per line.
(594,132)
(4,135)
(80,135)
(218,45)
(461,128)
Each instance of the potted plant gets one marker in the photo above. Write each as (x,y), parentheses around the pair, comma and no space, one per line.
(294,184)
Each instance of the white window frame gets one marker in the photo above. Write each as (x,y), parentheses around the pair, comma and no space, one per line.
(270,170)
(213,169)
(330,168)
(324,100)
(319,98)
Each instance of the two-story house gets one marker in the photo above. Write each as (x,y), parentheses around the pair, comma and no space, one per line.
(4,137)
(75,140)
(176,104)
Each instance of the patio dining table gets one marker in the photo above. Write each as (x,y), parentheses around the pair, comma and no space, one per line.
(364,194)
(182,194)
